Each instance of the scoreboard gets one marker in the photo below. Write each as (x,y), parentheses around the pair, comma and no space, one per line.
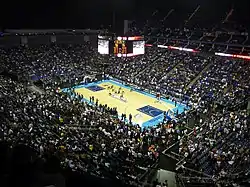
(121,46)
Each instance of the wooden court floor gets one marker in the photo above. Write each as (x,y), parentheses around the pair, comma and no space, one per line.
(135,100)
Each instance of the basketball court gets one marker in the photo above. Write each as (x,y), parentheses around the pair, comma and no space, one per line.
(146,110)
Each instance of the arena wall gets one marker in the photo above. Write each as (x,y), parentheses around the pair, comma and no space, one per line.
(31,38)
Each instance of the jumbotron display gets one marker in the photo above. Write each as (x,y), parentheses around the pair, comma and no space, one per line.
(121,46)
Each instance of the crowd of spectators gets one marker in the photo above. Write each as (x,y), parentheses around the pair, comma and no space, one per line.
(221,147)
(90,138)
(173,81)
(170,27)
(78,133)
(65,63)
(128,68)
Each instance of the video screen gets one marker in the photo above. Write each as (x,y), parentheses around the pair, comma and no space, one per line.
(103,46)
(138,47)
(121,46)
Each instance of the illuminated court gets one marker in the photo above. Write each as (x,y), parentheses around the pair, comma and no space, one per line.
(146,110)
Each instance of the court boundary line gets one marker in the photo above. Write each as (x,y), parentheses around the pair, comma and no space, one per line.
(152,122)
(179,105)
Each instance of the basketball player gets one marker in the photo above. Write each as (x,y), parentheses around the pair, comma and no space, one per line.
(158,97)
(130,118)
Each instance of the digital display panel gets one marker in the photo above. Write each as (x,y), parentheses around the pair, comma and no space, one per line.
(121,46)
(138,47)
(103,46)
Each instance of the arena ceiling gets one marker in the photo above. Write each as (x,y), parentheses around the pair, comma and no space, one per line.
(92,14)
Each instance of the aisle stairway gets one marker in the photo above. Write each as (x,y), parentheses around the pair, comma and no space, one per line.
(229,87)
(176,66)
(198,76)
(149,66)
(35,89)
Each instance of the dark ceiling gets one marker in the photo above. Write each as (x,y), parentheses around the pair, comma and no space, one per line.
(93,13)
